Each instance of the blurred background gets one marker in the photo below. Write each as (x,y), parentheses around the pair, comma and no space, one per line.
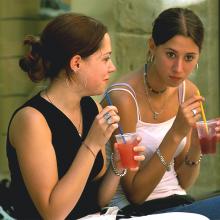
(129,23)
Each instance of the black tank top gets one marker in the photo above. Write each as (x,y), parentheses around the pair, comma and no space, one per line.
(66,142)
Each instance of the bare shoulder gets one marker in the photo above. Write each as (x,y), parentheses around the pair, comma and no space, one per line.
(191,88)
(28,116)
(122,96)
(27,122)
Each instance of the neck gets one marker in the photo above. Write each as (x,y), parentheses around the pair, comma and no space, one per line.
(63,96)
(150,88)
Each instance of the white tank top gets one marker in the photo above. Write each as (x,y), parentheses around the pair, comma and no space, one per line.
(152,135)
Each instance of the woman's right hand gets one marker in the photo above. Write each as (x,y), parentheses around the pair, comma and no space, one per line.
(103,126)
(189,112)
(139,149)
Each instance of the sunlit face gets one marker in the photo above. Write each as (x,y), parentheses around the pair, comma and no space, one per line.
(96,69)
(176,59)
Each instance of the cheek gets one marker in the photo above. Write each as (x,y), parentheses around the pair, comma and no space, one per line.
(163,64)
(190,66)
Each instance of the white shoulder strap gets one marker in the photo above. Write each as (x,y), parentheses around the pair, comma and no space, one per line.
(129,89)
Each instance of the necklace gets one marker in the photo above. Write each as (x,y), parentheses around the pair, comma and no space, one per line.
(155,113)
(78,128)
(151,89)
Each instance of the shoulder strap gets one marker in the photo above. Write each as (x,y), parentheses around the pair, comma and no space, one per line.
(182,89)
(129,89)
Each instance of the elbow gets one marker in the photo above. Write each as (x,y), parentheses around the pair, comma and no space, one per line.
(52,217)
(136,198)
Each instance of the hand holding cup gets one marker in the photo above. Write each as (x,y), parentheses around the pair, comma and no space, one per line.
(129,151)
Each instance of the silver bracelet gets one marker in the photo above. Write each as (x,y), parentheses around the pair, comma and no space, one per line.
(115,170)
(191,162)
(162,160)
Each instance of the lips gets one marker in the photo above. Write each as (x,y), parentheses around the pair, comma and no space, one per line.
(175,78)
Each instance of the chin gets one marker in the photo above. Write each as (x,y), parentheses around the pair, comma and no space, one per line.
(98,92)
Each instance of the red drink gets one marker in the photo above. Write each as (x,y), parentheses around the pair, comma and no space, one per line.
(207,136)
(127,154)
(208,144)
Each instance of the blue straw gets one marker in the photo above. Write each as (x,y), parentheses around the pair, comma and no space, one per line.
(109,101)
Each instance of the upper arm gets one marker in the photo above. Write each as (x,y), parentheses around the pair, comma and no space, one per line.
(191,89)
(127,110)
(30,135)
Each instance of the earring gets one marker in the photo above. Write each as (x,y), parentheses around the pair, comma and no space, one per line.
(85,83)
(150,59)
(67,82)
(197,66)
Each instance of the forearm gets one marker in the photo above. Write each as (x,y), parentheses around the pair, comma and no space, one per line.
(148,177)
(66,193)
(108,187)
(189,170)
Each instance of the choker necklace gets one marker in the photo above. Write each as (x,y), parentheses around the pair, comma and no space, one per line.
(155,113)
(151,89)
(80,122)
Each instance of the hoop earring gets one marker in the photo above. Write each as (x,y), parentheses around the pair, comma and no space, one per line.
(150,59)
(85,83)
(67,82)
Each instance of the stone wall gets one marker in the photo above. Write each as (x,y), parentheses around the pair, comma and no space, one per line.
(17,19)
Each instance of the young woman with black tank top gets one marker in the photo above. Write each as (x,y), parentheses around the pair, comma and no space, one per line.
(55,142)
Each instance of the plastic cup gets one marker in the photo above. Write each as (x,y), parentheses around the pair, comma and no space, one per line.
(126,143)
(207,139)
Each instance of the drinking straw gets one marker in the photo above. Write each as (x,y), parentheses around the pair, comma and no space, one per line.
(109,101)
(203,113)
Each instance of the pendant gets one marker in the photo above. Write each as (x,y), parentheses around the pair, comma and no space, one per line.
(155,114)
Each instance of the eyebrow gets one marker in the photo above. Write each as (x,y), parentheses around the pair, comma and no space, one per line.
(191,53)
(107,53)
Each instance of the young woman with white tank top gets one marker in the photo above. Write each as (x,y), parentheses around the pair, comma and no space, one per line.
(161,104)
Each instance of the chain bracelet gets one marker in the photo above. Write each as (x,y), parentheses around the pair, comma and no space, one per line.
(115,170)
(162,160)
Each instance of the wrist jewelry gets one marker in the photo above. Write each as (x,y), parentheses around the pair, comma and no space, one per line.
(191,162)
(114,169)
(89,149)
(162,160)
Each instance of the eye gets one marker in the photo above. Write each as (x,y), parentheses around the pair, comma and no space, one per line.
(171,54)
(189,58)
(107,58)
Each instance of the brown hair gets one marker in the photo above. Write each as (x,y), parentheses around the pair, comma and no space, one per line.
(67,35)
(178,21)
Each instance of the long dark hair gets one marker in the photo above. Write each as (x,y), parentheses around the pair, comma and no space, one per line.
(178,21)
(65,36)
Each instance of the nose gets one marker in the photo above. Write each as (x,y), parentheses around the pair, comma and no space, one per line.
(112,67)
(178,65)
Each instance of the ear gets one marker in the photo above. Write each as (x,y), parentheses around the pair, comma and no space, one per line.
(151,45)
(75,62)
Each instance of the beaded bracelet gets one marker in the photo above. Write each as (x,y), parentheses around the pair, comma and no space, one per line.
(162,160)
(191,162)
(115,170)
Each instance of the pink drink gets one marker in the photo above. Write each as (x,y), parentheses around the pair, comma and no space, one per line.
(207,137)
(126,143)
(127,155)
(208,145)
